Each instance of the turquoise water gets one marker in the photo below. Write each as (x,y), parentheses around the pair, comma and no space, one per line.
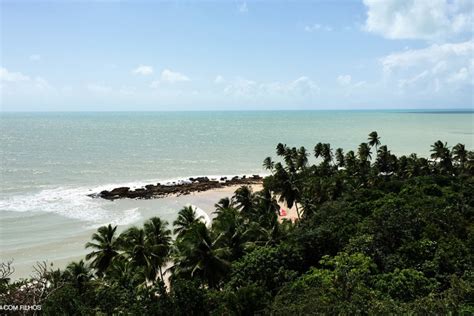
(50,161)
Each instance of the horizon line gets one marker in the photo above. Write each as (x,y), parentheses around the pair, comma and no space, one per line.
(467,109)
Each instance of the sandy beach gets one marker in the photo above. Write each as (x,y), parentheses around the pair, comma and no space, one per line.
(62,250)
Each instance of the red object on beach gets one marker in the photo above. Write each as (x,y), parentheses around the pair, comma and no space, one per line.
(282,212)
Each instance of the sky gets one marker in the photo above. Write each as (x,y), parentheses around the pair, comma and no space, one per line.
(236,55)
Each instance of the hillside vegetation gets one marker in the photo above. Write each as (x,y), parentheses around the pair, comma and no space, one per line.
(376,234)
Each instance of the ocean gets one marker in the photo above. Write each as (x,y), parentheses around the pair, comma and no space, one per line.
(51,161)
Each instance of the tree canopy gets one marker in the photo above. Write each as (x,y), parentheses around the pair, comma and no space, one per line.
(375,234)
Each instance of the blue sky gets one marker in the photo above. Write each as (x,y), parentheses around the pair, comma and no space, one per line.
(232,55)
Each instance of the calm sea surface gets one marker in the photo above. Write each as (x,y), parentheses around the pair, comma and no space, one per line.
(51,161)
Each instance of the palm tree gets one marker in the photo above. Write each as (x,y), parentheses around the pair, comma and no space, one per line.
(383,159)
(301,158)
(364,152)
(133,243)
(438,150)
(327,153)
(78,273)
(318,150)
(158,240)
(198,255)
(460,155)
(186,219)
(223,204)
(287,187)
(281,149)
(441,152)
(268,163)
(350,161)
(105,248)
(244,199)
(291,158)
(374,140)
(234,233)
(340,157)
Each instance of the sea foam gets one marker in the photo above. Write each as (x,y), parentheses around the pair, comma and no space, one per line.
(72,203)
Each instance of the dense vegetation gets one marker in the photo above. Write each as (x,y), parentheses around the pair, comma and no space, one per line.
(377,234)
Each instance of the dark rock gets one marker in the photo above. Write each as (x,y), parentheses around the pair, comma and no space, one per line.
(119,191)
(198,184)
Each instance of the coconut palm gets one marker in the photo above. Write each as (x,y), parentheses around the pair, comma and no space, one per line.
(318,150)
(374,140)
(235,233)
(244,199)
(301,158)
(79,274)
(364,152)
(291,159)
(187,217)
(383,159)
(223,204)
(281,149)
(105,248)
(286,186)
(350,161)
(440,152)
(133,243)
(340,157)
(460,155)
(326,153)
(268,163)
(198,255)
(158,241)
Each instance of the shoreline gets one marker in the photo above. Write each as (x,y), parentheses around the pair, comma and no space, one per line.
(177,188)
(203,200)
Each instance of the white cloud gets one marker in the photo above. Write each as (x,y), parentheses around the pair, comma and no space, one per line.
(173,77)
(127,91)
(143,70)
(432,69)
(21,84)
(219,79)
(241,87)
(317,27)
(312,28)
(423,19)
(99,88)
(300,87)
(462,75)
(403,83)
(155,84)
(360,84)
(344,80)
(303,86)
(7,76)
(243,7)
(436,55)
(35,57)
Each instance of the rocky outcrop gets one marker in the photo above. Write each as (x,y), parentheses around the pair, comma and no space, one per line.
(188,186)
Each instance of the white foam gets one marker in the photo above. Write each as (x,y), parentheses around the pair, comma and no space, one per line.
(71,203)
(74,202)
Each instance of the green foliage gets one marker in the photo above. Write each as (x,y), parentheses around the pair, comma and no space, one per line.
(268,267)
(405,285)
(376,234)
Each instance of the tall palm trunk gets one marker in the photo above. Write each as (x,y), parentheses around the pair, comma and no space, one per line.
(161,274)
